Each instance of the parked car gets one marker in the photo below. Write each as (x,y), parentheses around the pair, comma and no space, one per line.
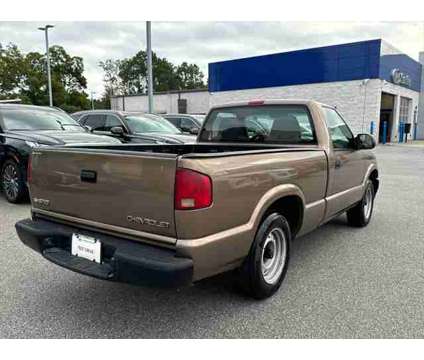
(132,127)
(185,122)
(178,214)
(24,127)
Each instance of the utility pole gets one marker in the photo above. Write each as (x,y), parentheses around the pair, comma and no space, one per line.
(92,100)
(49,78)
(149,66)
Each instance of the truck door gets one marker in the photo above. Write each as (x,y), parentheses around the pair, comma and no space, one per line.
(346,167)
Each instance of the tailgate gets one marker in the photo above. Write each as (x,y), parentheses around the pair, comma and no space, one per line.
(117,192)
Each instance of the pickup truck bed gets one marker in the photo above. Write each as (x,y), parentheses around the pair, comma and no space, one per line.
(138,181)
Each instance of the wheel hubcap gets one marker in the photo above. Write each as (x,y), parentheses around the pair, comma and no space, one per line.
(274,254)
(368,203)
(10,182)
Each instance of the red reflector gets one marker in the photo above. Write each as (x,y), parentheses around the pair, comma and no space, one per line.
(193,190)
(29,170)
(256,102)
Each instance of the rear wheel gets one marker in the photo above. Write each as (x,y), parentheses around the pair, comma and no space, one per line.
(360,215)
(266,265)
(13,182)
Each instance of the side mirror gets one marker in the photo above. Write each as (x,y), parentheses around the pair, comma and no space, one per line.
(88,128)
(117,130)
(194,130)
(364,141)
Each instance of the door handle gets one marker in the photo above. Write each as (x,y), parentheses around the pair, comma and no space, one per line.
(338,163)
(88,176)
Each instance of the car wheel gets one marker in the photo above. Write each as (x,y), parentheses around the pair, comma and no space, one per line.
(266,265)
(360,214)
(13,182)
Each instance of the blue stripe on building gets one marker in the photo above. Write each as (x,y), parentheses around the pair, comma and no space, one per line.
(354,61)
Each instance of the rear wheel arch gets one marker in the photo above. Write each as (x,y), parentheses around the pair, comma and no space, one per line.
(291,207)
(374,178)
(11,153)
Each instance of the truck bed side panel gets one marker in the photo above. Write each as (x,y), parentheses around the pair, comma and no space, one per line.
(239,182)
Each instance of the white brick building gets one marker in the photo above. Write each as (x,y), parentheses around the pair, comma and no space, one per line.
(369,82)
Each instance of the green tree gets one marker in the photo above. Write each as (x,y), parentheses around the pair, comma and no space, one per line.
(25,76)
(12,64)
(67,69)
(189,76)
(164,74)
(132,72)
(129,76)
(111,79)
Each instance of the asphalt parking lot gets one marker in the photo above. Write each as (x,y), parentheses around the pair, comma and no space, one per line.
(342,282)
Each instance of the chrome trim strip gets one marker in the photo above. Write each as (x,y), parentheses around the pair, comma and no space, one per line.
(113,228)
(344,192)
(315,203)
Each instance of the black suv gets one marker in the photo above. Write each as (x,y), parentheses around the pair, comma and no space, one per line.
(25,127)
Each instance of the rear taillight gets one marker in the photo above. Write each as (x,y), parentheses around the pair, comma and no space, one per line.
(29,170)
(193,190)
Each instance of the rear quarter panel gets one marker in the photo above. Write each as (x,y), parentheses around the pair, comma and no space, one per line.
(239,183)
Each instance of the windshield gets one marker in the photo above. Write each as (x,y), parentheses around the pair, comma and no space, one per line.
(275,124)
(37,119)
(148,123)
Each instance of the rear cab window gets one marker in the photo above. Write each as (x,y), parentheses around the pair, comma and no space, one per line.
(272,124)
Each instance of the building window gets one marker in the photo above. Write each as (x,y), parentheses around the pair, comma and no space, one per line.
(404,110)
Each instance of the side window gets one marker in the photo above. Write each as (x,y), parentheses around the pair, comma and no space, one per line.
(112,121)
(307,132)
(82,120)
(96,122)
(187,123)
(341,136)
(175,121)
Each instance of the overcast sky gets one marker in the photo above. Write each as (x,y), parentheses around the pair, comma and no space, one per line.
(202,42)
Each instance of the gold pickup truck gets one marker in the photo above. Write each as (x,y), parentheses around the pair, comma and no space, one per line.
(260,174)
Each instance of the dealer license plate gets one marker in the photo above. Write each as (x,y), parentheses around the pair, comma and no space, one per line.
(86,247)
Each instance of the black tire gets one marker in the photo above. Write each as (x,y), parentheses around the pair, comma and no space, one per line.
(359,216)
(16,191)
(251,276)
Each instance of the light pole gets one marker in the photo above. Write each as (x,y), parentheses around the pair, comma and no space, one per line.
(49,78)
(149,66)
(92,99)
